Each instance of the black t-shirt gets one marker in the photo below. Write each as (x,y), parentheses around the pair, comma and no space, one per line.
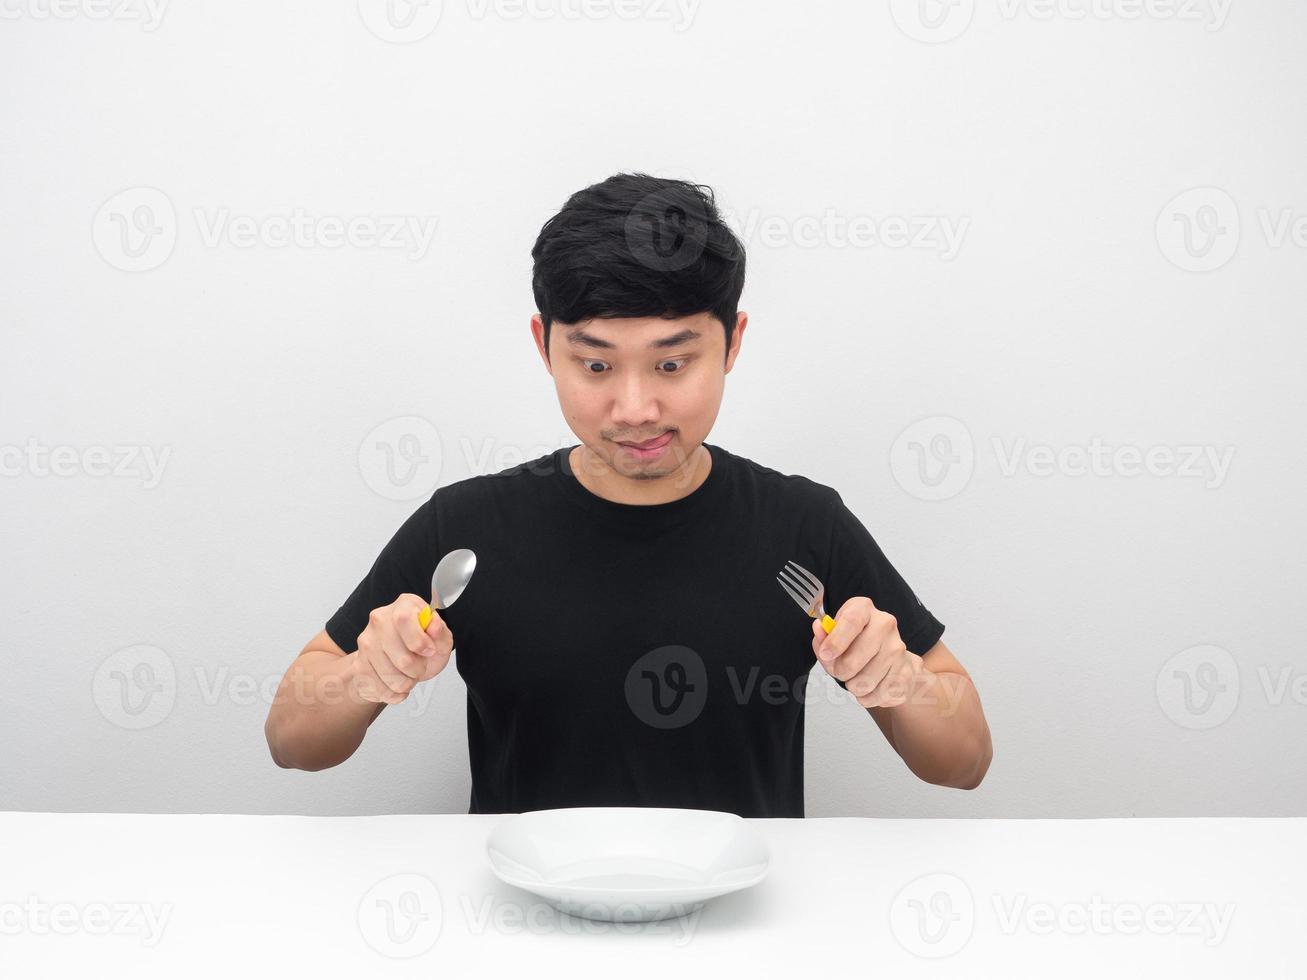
(636,654)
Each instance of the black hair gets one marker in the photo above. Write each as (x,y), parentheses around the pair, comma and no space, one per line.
(637,246)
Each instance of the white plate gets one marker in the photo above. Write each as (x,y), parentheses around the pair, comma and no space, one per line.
(627,863)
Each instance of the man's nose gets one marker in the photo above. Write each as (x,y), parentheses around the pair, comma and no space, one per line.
(636,404)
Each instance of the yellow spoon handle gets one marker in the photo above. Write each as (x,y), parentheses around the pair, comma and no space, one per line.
(424,617)
(827,623)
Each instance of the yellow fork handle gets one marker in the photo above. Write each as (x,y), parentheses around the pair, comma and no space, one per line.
(827,623)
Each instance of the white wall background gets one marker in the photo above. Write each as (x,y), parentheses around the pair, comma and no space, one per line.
(1131,634)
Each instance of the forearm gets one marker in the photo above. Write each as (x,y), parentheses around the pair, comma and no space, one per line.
(940,730)
(317,719)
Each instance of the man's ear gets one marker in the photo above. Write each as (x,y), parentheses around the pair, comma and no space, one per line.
(538,333)
(741,321)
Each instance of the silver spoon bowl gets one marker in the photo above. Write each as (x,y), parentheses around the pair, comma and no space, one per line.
(448,582)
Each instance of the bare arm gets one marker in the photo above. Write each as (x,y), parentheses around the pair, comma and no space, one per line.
(328,698)
(940,731)
(317,720)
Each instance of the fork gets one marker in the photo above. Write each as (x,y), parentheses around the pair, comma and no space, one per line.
(805,589)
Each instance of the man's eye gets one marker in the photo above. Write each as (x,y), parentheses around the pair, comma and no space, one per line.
(588,366)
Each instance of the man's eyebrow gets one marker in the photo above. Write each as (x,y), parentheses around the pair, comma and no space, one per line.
(579,338)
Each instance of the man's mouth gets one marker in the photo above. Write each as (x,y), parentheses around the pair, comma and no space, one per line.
(658,443)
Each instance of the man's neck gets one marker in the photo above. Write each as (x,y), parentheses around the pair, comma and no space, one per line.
(603,481)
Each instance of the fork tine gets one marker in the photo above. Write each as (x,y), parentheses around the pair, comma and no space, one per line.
(803,604)
(816,582)
(802,587)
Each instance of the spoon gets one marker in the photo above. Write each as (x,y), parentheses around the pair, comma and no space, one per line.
(447,584)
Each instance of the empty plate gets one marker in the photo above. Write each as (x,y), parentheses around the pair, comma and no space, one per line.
(626,863)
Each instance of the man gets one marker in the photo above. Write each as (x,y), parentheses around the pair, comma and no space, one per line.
(624,639)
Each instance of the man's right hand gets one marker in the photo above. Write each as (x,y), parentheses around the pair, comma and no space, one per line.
(395,653)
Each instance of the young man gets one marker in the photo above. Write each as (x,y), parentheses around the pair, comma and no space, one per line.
(624,639)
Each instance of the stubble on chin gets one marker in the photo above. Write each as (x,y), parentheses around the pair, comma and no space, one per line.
(676,466)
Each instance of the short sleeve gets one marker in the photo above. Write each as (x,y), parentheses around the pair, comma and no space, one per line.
(405,564)
(858,567)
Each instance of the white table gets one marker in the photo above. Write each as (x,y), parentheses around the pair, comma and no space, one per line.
(248,897)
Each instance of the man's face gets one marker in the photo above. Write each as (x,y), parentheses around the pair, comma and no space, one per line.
(635,379)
